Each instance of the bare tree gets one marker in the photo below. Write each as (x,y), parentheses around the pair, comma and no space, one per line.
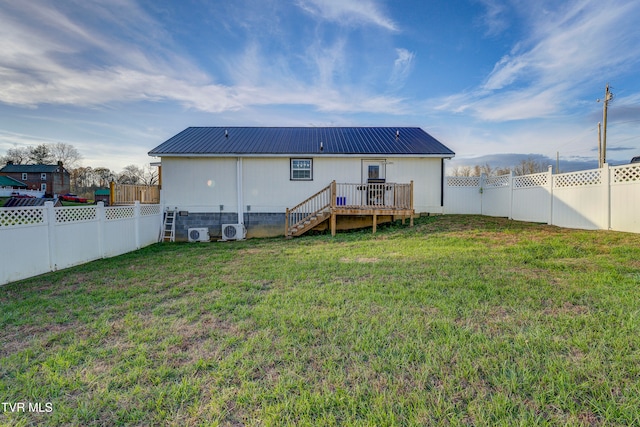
(17,155)
(529,166)
(65,153)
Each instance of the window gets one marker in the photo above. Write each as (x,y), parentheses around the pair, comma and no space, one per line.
(43,186)
(43,176)
(374,171)
(24,176)
(302,169)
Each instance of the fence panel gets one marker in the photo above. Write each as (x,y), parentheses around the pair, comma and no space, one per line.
(580,200)
(531,199)
(496,196)
(462,195)
(24,243)
(625,198)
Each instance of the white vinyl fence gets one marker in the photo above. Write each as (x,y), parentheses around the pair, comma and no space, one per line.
(597,199)
(36,240)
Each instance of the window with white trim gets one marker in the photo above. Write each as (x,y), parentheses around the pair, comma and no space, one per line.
(301,169)
(43,176)
(43,186)
(24,176)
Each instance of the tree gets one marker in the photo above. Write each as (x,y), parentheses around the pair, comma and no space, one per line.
(17,155)
(529,166)
(40,155)
(65,153)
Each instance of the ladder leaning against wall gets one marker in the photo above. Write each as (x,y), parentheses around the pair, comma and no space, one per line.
(169,226)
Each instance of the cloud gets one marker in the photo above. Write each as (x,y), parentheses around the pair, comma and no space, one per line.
(348,12)
(50,58)
(565,51)
(494,19)
(402,67)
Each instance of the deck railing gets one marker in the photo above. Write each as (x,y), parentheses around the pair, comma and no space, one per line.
(374,196)
(321,201)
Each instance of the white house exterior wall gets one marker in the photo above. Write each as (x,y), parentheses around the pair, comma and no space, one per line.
(203,184)
(204,189)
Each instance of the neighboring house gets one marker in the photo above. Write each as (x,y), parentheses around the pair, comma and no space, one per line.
(102,195)
(8,182)
(52,179)
(252,175)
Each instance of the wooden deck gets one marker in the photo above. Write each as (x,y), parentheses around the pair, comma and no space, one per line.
(371,199)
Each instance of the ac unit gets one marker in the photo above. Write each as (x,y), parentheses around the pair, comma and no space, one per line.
(233,232)
(198,234)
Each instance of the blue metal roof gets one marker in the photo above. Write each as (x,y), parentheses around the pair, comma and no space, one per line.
(211,141)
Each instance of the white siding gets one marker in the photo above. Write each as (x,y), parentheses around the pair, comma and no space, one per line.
(203,184)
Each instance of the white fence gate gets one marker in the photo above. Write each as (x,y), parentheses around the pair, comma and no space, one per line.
(36,240)
(606,199)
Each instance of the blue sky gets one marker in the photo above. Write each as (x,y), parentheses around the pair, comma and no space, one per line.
(485,77)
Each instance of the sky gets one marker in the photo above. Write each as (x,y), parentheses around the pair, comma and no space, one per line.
(490,79)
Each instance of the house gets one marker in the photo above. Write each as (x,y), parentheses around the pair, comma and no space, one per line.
(102,195)
(52,179)
(8,182)
(256,176)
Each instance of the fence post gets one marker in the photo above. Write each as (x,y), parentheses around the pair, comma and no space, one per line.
(606,180)
(511,194)
(101,215)
(481,190)
(550,184)
(50,214)
(136,222)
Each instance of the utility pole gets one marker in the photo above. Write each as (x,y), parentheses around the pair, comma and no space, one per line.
(599,145)
(608,96)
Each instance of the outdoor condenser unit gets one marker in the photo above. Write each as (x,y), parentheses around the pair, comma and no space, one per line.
(233,232)
(198,234)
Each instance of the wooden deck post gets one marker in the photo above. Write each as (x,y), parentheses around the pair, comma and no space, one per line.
(333,200)
(375,222)
(412,212)
(333,224)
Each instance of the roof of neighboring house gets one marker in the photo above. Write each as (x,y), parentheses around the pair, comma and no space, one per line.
(30,168)
(207,141)
(14,202)
(7,181)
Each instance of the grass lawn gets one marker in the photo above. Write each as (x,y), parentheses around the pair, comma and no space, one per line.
(461,320)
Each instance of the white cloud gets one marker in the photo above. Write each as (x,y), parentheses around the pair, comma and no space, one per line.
(566,50)
(349,12)
(402,67)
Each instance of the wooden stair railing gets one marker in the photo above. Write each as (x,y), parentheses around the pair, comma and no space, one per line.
(310,212)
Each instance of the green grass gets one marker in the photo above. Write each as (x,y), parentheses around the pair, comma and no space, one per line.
(461,320)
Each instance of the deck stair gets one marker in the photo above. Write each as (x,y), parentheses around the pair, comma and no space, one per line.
(169,226)
(308,214)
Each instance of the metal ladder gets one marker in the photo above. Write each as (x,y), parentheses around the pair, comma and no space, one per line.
(169,226)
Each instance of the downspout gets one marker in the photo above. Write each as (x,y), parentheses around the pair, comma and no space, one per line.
(442,182)
(239,188)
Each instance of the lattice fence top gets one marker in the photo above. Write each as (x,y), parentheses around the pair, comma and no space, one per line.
(533,180)
(73,214)
(147,210)
(11,217)
(119,212)
(578,179)
(463,181)
(497,181)
(626,173)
